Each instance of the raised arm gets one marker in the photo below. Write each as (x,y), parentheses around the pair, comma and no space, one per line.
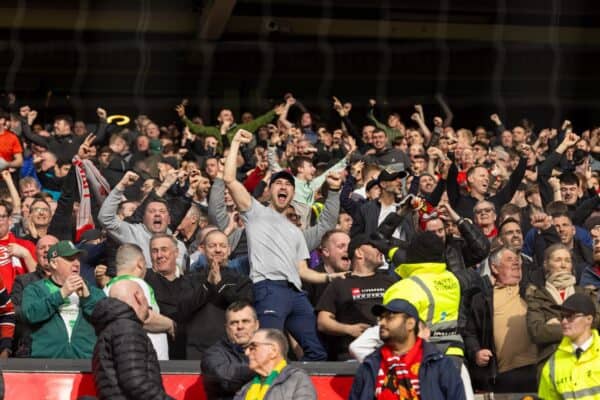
(100,138)
(449,116)
(26,116)
(259,121)
(238,192)
(419,118)
(328,218)
(12,189)
(194,128)
(107,216)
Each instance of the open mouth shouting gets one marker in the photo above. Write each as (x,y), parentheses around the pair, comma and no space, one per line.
(157,224)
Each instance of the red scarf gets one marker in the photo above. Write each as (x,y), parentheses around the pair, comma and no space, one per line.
(398,375)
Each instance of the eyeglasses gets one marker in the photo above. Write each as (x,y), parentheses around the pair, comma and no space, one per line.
(484,210)
(252,346)
(571,317)
(40,209)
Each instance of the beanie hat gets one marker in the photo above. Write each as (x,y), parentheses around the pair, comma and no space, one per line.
(425,247)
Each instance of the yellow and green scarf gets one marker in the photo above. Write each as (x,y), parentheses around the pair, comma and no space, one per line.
(259,388)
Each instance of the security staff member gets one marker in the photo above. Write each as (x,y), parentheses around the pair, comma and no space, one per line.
(432,289)
(573,371)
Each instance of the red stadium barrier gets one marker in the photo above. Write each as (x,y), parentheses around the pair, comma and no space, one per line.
(63,386)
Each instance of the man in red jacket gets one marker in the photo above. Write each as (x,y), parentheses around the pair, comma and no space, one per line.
(17,256)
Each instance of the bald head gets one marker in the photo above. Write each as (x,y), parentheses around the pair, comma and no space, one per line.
(131,293)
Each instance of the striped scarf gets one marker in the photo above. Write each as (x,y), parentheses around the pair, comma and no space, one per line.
(259,388)
(88,175)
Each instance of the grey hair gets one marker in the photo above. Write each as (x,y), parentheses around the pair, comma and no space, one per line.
(275,335)
(496,254)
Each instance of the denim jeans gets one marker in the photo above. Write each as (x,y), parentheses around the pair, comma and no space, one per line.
(283,307)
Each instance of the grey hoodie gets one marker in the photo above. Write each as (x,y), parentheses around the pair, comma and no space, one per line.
(126,232)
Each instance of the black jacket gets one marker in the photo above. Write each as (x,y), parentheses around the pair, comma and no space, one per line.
(124,362)
(479,334)
(202,307)
(459,253)
(22,337)
(464,204)
(224,370)
(365,221)
(64,147)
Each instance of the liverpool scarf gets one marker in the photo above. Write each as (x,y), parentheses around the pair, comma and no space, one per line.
(87,174)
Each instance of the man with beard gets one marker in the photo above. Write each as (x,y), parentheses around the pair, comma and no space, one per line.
(406,366)
(156,220)
(278,255)
(345,306)
(374,212)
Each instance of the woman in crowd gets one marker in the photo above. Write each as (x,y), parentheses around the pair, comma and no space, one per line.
(543,315)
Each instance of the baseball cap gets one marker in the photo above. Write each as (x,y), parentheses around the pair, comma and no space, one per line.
(578,303)
(89,235)
(392,171)
(372,183)
(283,174)
(64,248)
(396,306)
(362,239)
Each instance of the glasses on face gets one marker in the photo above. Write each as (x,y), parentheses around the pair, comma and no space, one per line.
(252,346)
(484,210)
(40,209)
(570,317)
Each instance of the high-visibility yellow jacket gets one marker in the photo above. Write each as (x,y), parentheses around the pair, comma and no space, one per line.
(566,377)
(435,292)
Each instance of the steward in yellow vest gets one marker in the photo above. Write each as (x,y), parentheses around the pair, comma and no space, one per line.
(432,289)
(573,371)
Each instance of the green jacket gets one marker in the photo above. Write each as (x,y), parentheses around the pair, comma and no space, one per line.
(214,131)
(390,133)
(40,308)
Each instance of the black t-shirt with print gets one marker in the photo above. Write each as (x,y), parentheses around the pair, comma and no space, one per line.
(351,300)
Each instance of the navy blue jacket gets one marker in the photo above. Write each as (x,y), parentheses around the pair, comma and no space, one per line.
(438,377)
